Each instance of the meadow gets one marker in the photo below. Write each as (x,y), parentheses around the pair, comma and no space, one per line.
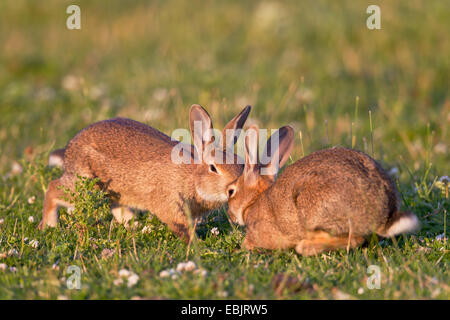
(313,65)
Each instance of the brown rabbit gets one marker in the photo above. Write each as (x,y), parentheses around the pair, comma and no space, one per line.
(330,199)
(134,163)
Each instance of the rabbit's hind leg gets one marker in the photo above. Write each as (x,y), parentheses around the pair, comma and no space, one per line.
(320,241)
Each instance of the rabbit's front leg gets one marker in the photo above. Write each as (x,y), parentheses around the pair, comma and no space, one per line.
(54,198)
(176,221)
(247,244)
(181,230)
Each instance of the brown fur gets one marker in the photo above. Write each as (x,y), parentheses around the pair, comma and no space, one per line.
(133,161)
(330,199)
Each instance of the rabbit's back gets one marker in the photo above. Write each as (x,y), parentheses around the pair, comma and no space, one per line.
(337,190)
(126,155)
(122,139)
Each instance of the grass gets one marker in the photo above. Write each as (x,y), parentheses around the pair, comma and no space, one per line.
(312,65)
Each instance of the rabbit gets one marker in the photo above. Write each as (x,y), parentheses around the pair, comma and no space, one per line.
(333,198)
(134,164)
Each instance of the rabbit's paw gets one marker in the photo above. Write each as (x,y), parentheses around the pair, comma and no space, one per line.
(307,248)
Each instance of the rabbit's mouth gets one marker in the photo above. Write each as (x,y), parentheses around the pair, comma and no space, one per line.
(236,215)
(211,197)
(240,218)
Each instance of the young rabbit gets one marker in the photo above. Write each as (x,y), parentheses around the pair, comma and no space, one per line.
(330,199)
(134,163)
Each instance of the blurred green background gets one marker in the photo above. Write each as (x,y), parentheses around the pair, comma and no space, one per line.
(300,63)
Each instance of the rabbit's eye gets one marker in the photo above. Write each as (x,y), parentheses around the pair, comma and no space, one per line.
(231,192)
(213,168)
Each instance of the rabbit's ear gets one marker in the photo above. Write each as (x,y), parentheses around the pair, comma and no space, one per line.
(278,149)
(201,129)
(251,173)
(232,130)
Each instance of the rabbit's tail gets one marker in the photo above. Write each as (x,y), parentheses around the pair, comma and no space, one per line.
(400,222)
(56,158)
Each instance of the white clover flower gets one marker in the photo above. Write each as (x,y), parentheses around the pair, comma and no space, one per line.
(3,266)
(107,253)
(164,274)
(118,281)
(71,82)
(13,252)
(124,273)
(443,183)
(360,290)
(215,231)
(16,168)
(340,295)
(136,224)
(186,266)
(223,294)
(190,266)
(435,293)
(13,269)
(146,229)
(34,244)
(168,273)
(55,266)
(181,266)
(132,280)
(394,171)
(268,15)
(201,272)
(2,221)
(31,219)
(31,200)
(440,148)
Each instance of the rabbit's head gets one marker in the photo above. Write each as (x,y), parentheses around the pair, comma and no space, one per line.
(217,164)
(258,176)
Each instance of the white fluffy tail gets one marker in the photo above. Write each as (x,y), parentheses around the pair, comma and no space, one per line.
(56,158)
(401,222)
